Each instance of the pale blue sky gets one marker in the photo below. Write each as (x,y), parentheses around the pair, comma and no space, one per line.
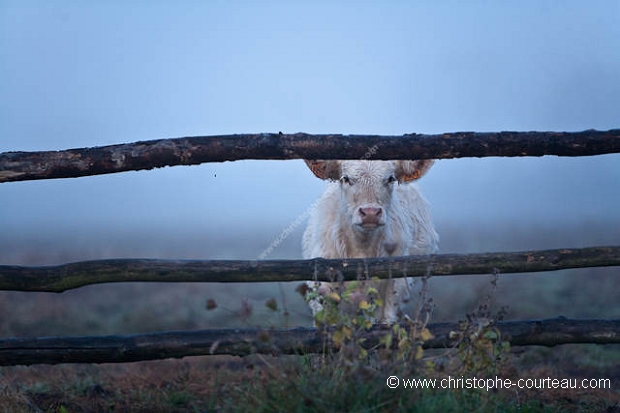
(85,73)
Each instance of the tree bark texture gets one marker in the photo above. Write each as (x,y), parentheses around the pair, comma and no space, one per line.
(129,348)
(20,166)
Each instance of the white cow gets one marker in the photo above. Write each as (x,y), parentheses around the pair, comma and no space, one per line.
(370,209)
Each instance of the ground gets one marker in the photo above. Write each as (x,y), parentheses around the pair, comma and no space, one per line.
(307,382)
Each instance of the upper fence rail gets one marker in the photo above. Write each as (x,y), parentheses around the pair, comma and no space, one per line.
(71,163)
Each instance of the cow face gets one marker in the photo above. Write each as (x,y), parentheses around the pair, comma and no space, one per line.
(367,187)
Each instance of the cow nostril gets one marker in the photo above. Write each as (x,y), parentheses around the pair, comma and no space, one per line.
(370,212)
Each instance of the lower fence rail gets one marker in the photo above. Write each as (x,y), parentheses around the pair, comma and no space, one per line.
(243,342)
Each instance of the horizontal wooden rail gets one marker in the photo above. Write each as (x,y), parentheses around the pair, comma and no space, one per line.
(20,166)
(68,276)
(129,348)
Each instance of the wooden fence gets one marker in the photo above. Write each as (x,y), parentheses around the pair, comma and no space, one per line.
(19,166)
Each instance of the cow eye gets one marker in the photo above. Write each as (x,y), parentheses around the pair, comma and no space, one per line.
(346,180)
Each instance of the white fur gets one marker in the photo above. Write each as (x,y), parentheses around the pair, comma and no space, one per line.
(404,226)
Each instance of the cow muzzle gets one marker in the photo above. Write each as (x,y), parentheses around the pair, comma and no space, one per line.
(370,217)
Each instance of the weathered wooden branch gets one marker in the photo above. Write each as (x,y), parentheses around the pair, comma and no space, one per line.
(68,276)
(20,166)
(128,348)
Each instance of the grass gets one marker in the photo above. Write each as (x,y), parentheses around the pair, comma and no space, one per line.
(265,384)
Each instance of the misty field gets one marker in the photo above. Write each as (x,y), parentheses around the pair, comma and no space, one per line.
(301,383)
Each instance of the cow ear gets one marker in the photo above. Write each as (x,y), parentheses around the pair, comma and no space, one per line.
(407,171)
(324,169)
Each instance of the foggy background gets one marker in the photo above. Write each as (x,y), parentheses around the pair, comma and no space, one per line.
(80,74)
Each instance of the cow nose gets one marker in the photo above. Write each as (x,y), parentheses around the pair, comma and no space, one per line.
(370,214)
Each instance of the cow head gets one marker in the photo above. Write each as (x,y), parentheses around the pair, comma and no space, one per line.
(367,187)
